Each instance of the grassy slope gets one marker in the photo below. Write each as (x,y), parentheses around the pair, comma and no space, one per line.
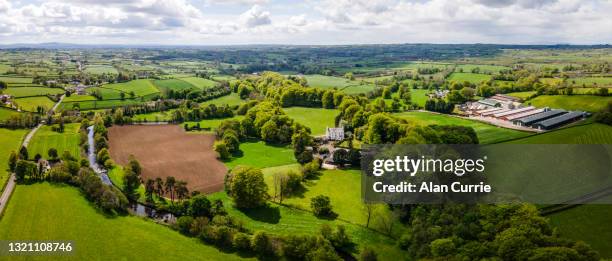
(30,103)
(9,79)
(32,91)
(173,84)
(10,140)
(315,118)
(54,212)
(288,221)
(45,138)
(486,133)
(574,102)
(589,223)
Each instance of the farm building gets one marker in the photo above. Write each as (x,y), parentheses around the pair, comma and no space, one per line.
(524,114)
(490,103)
(501,97)
(491,113)
(505,114)
(334,134)
(530,120)
(559,120)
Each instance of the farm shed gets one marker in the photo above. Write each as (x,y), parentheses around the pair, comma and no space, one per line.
(530,120)
(559,120)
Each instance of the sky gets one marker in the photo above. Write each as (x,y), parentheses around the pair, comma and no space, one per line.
(237,22)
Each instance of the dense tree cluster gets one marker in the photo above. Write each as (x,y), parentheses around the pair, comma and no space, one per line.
(476,232)
(247,187)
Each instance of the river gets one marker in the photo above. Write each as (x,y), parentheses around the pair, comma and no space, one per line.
(135,207)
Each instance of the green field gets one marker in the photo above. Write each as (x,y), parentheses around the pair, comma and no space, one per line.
(231,100)
(31,103)
(328,82)
(78,98)
(486,133)
(173,84)
(32,91)
(469,77)
(522,95)
(106,93)
(58,212)
(200,83)
(419,96)
(589,223)
(15,79)
(45,138)
(213,123)
(5,114)
(574,102)
(314,118)
(484,68)
(10,140)
(154,116)
(100,69)
(283,220)
(261,155)
(591,81)
(595,133)
(139,87)
(4,68)
(99,104)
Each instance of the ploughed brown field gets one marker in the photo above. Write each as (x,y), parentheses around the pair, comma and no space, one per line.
(167,150)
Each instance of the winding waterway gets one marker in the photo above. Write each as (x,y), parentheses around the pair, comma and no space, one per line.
(137,208)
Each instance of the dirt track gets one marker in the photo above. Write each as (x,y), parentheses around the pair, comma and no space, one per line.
(167,150)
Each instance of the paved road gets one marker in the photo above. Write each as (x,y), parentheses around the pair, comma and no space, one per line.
(10,185)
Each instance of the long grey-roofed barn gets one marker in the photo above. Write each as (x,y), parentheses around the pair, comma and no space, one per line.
(559,120)
(529,120)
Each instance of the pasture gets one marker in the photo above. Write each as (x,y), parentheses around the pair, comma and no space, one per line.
(173,84)
(522,95)
(200,83)
(328,82)
(469,77)
(106,92)
(15,79)
(31,103)
(314,118)
(4,68)
(588,223)
(261,155)
(101,69)
(279,219)
(79,98)
(10,140)
(574,102)
(32,91)
(141,87)
(486,133)
(46,211)
(591,81)
(213,123)
(45,139)
(5,113)
(419,96)
(154,116)
(167,150)
(594,133)
(484,68)
(231,99)
(98,104)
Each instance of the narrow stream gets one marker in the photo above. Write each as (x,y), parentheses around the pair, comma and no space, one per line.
(137,208)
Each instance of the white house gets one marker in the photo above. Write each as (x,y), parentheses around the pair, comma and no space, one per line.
(334,134)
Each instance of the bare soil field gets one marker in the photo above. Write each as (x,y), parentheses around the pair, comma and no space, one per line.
(167,150)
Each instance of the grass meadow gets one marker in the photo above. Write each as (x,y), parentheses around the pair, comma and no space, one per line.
(99,104)
(141,87)
(574,102)
(594,133)
(469,77)
(314,118)
(213,123)
(10,140)
(521,95)
(173,84)
(45,139)
(200,83)
(230,99)
(106,92)
(32,91)
(5,114)
(100,69)
(52,212)
(486,133)
(31,103)
(15,79)
(261,155)
(591,81)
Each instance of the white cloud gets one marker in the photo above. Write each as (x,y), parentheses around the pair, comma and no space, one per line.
(312,21)
(255,17)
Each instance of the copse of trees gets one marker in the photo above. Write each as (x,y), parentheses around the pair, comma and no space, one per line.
(246,186)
